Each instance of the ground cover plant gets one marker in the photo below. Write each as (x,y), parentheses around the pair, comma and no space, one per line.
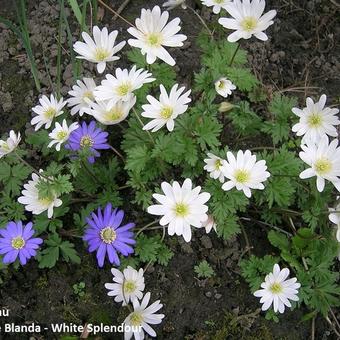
(133,162)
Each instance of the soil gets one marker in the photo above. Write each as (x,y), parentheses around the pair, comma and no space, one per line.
(301,58)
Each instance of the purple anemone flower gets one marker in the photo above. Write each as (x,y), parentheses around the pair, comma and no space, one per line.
(88,136)
(16,240)
(105,235)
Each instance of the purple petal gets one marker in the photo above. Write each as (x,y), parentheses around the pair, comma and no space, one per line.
(101,254)
(11,256)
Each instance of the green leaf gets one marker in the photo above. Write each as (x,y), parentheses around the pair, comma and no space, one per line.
(228,227)
(279,126)
(48,257)
(278,240)
(147,248)
(255,269)
(164,255)
(203,269)
(137,158)
(68,252)
(245,120)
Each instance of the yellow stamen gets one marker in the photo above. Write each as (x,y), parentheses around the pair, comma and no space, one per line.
(181,209)
(18,242)
(86,141)
(218,164)
(242,176)
(129,286)
(154,39)
(50,113)
(61,135)
(113,114)
(88,95)
(249,23)
(166,112)
(323,166)
(314,120)
(124,89)
(101,54)
(136,319)
(276,288)
(108,235)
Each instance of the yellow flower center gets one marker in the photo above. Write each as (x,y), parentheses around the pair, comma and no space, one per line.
(219,1)
(113,114)
(88,95)
(50,113)
(46,201)
(323,166)
(129,286)
(218,164)
(61,135)
(181,209)
(136,319)
(314,120)
(101,54)
(154,39)
(18,242)
(220,84)
(108,235)
(124,89)
(249,23)
(166,112)
(4,146)
(86,141)
(242,176)
(276,288)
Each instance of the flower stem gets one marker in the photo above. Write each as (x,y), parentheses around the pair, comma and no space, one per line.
(117,153)
(202,22)
(31,167)
(147,226)
(142,124)
(115,13)
(234,55)
(90,172)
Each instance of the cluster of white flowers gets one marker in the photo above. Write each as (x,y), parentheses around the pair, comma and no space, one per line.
(128,287)
(316,123)
(242,171)
(181,206)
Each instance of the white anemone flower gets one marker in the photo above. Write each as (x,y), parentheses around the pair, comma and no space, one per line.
(214,166)
(165,110)
(61,133)
(37,205)
(141,317)
(181,207)
(101,49)
(334,217)
(109,113)
(81,96)
(152,32)
(247,19)
(209,224)
(122,85)
(47,111)
(244,172)
(324,161)
(171,4)
(224,87)
(277,291)
(128,285)
(9,145)
(217,4)
(316,120)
